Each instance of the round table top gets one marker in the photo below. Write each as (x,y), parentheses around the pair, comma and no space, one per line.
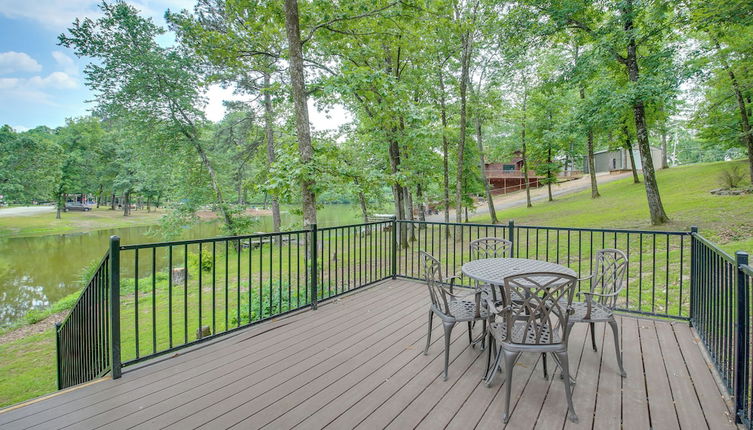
(495,270)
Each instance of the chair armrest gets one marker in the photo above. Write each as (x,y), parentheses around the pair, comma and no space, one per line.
(451,280)
(589,293)
(493,308)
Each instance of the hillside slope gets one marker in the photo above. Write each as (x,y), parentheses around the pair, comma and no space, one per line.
(727,220)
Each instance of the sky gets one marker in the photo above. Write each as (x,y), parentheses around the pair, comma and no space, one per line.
(42,83)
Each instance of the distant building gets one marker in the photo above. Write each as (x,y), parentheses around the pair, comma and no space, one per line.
(509,176)
(616,160)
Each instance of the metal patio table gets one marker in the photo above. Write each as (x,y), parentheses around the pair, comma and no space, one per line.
(493,271)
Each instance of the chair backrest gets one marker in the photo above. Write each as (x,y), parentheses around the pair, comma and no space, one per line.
(434,280)
(490,247)
(540,303)
(609,276)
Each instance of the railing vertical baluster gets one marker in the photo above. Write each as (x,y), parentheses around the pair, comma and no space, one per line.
(136,299)
(394,247)
(201,269)
(58,357)
(154,300)
(314,266)
(185,294)
(115,306)
(214,286)
(742,359)
(511,236)
(170,296)
(238,251)
(227,281)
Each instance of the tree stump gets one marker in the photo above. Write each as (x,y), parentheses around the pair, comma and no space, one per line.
(203,332)
(180,274)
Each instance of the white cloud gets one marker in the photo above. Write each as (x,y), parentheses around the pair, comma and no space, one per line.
(58,15)
(13,62)
(67,63)
(215,95)
(35,89)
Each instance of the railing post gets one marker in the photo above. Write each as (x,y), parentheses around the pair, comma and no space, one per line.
(742,356)
(394,247)
(511,236)
(115,306)
(57,355)
(693,273)
(314,267)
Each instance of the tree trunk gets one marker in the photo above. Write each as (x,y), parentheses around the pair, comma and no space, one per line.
(397,190)
(465,65)
(549,171)
(99,196)
(364,209)
(60,206)
(590,155)
(421,205)
(445,149)
(744,116)
(655,206)
(482,168)
(629,147)
(409,209)
(303,130)
(215,186)
(664,158)
(270,140)
(524,149)
(112,201)
(148,203)
(127,203)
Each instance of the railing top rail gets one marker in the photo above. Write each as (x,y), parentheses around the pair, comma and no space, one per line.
(605,230)
(537,227)
(715,248)
(453,223)
(748,270)
(209,240)
(363,224)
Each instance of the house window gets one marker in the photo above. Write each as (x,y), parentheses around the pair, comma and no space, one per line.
(614,163)
(508,167)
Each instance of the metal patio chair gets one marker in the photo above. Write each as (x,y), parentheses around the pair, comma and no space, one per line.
(607,281)
(537,323)
(449,304)
(490,247)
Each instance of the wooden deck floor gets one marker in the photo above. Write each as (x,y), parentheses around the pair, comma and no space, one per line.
(358,363)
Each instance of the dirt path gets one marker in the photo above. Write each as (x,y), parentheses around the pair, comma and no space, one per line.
(518,198)
(26,210)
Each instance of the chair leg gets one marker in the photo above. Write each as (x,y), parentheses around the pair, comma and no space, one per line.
(448,326)
(613,324)
(428,333)
(510,358)
(488,357)
(568,385)
(592,326)
(483,336)
(470,333)
(493,369)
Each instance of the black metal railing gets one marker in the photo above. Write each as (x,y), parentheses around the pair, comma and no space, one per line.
(658,278)
(146,300)
(82,339)
(721,315)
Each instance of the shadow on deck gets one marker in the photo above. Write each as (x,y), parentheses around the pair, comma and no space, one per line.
(358,362)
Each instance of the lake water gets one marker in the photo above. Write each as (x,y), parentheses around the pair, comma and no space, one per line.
(37,271)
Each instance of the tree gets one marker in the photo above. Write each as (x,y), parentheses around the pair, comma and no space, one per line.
(136,79)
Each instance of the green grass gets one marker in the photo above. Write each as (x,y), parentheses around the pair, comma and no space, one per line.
(74,222)
(726,220)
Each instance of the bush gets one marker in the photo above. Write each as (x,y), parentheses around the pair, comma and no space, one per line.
(205,264)
(731,176)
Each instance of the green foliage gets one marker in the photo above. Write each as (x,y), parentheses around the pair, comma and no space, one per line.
(731,176)
(205,262)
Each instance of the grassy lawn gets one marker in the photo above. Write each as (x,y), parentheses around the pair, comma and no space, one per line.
(97,219)
(726,220)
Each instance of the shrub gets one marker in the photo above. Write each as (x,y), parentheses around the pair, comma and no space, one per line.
(205,264)
(731,176)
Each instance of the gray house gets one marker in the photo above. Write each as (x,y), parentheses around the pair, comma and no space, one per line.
(619,159)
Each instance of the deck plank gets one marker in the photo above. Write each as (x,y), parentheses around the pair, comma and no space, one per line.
(686,401)
(358,362)
(715,409)
(634,404)
(660,400)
